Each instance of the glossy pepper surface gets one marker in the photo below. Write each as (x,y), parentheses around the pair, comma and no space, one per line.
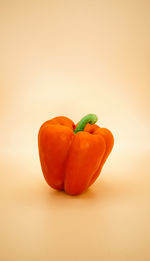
(72,156)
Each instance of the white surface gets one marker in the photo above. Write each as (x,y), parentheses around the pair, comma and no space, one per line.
(108,222)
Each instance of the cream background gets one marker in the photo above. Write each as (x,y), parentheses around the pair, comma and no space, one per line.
(72,58)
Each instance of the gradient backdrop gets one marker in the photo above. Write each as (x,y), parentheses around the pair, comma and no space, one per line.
(73,58)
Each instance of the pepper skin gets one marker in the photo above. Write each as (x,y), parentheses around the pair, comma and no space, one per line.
(72,156)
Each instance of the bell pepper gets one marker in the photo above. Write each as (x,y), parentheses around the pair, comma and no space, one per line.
(72,156)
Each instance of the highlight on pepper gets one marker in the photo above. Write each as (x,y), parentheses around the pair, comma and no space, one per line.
(72,156)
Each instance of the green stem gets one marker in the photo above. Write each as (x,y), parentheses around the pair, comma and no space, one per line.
(90,118)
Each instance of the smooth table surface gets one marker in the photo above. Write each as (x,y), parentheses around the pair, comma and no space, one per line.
(108,222)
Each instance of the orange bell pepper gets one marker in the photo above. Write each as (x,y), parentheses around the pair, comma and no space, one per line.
(72,156)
